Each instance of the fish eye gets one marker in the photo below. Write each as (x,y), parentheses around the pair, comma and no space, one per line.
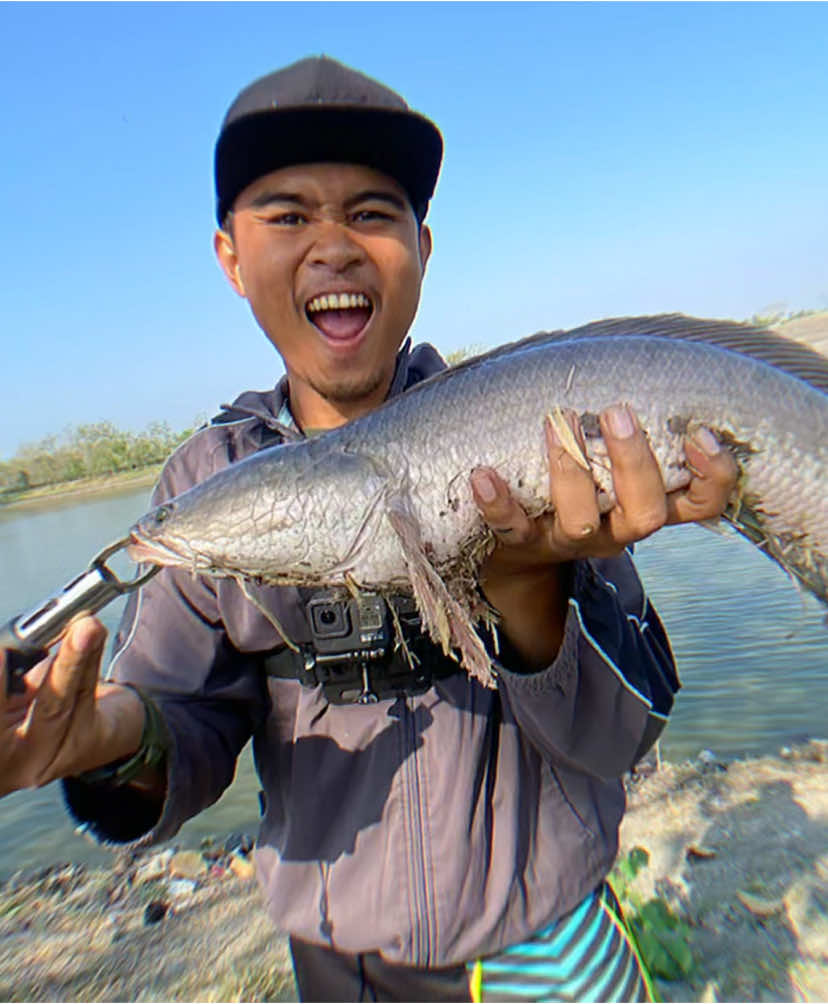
(162,514)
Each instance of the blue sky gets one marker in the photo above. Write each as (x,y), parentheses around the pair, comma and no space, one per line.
(600,160)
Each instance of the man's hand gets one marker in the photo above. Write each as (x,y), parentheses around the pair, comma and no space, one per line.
(527,576)
(66,721)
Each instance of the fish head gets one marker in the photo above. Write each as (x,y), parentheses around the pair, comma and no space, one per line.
(286,516)
(244,520)
(151,541)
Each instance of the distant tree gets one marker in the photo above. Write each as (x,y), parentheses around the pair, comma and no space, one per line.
(96,448)
(466,352)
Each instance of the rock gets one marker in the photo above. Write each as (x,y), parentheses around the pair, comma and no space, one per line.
(155,911)
(187,864)
(116,925)
(239,842)
(181,890)
(709,761)
(710,994)
(241,867)
(117,891)
(210,850)
(817,750)
(17,881)
(153,868)
(700,851)
(760,906)
(62,878)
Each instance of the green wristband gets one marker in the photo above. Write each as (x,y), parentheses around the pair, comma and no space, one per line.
(150,753)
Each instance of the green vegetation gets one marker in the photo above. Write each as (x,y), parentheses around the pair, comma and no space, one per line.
(663,938)
(87,451)
(466,352)
(775,313)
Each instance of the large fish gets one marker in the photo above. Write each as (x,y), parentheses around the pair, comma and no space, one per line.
(384,503)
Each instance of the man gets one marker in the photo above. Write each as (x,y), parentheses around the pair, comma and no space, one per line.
(405,839)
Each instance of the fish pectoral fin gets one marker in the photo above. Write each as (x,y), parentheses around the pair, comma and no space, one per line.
(566,437)
(447,622)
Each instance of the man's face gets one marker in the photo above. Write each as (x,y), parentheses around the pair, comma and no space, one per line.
(331,259)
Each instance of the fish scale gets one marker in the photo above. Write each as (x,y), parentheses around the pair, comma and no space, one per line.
(385,502)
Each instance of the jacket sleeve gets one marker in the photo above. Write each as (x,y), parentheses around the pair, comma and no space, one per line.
(605,699)
(173,646)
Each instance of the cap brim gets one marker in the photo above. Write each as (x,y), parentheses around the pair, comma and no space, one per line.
(402,144)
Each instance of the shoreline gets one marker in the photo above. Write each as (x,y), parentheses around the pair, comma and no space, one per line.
(737,853)
(105,484)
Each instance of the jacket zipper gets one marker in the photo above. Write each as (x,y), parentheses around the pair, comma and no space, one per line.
(422,902)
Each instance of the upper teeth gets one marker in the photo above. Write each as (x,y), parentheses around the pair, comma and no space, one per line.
(338,301)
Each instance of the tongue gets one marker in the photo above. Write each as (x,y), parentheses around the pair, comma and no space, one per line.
(342,323)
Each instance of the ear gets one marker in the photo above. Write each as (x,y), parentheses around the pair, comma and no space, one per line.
(425,245)
(228,259)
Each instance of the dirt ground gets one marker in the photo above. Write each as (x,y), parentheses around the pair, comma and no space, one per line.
(738,851)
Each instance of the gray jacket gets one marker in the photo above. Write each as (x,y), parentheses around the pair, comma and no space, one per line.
(433,829)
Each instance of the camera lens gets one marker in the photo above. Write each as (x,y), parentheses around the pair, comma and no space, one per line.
(329,618)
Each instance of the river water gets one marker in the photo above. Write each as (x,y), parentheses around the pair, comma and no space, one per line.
(752,653)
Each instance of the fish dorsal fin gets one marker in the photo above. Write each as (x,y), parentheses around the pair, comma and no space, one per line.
(764,344)
(760,343)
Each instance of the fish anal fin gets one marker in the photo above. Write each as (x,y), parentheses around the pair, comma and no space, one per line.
(447,622)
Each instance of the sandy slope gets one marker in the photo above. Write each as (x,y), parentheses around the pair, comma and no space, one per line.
(811,330)
(74,935)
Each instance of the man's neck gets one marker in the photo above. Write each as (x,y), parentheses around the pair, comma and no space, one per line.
(314,413)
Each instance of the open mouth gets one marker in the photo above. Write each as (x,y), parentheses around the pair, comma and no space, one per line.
(340,316)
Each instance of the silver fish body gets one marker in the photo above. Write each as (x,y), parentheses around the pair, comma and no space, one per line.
(385,501)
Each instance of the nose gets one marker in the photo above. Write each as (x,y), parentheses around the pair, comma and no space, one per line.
(334,247)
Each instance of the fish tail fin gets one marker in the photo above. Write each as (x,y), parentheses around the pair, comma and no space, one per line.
(803,563)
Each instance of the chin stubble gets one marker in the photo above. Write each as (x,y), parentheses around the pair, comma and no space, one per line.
(345,391)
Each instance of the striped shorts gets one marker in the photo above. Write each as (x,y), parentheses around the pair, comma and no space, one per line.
(588,955)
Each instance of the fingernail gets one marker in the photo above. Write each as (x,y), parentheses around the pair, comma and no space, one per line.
(484,486)
(706,441)
(620,421)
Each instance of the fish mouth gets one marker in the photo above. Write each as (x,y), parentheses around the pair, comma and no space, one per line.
(341,316)
(141,550)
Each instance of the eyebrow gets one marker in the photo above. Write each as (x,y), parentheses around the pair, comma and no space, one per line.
(374,195)
(267,198)
(294,199)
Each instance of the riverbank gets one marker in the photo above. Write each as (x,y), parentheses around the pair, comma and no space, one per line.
(70,491)
(738,854)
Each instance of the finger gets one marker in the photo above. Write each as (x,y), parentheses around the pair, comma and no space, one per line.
(715,476)
(641,505)
(73,670)
(497,507)
(571,487)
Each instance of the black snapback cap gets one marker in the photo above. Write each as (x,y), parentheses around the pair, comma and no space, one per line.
(318,110)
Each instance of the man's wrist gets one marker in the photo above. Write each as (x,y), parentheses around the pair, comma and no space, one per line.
(532,617)
(149,756)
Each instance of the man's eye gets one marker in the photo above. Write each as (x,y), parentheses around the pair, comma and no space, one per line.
(370,216)
(287,219)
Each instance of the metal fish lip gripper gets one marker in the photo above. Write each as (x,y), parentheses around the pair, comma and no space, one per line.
(28,637)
